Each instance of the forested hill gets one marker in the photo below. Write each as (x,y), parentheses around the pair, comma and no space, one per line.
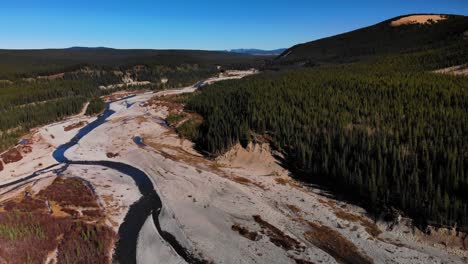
(30,63)
(383,38)
(385,131)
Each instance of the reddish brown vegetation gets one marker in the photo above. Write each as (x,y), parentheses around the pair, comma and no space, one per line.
(72,212)
(12,155)
(277,236)
(25,149)
(29,237)
(75,125)
(93,213)
(243,231)
(25,205)
(112,155)
(28,233)
(1,165)
(246,181)
(84,243)
(242,180)
(281,181)
(69,191)
(294,208)
(335,244)
(371,228)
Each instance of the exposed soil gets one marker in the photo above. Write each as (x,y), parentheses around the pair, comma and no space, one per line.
(417,19)
(455,70)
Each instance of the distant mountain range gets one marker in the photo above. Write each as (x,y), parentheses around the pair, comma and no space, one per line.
(240,51)
(258,51)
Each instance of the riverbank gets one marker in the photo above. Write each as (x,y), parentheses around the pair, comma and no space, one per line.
(242,207)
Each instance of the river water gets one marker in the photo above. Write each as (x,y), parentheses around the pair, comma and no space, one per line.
(148,205)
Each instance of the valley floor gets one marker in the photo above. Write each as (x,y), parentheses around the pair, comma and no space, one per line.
(240,208)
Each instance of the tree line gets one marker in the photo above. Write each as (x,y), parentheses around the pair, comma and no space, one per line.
(25,104)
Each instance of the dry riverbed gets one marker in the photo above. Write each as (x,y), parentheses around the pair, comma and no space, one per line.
(240,208)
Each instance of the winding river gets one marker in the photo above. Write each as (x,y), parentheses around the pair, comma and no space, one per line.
(148,205)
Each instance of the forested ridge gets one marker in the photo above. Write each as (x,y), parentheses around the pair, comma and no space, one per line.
(376,40)
(386,132)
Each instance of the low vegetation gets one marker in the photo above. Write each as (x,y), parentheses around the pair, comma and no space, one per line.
(31,229)
(96,106)
(337,246)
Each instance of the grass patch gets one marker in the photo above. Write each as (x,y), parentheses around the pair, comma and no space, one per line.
(189,129)
(174,119)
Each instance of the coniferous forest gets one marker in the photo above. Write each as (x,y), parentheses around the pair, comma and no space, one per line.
(42,86)
(385,132)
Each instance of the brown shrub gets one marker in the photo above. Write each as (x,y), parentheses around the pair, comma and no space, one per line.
(12,155)
(75,125)
(370,227)
(330,203)
(294,208)
(243,231)
(277,236)
(242,180)
(29,237)
(28,233)
(335,244)
(84,243)
(246,181)
(25,205)
(25,149)
(1,165)
(98,213)
(281,181)
(69,192)
(72,212)
(112,155)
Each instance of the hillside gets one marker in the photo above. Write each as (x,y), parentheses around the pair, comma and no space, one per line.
(386,37)
(385,132)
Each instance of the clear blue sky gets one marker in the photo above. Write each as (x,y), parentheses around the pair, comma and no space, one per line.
(202,24)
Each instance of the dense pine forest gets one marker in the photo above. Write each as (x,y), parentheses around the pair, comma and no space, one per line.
(385,132)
